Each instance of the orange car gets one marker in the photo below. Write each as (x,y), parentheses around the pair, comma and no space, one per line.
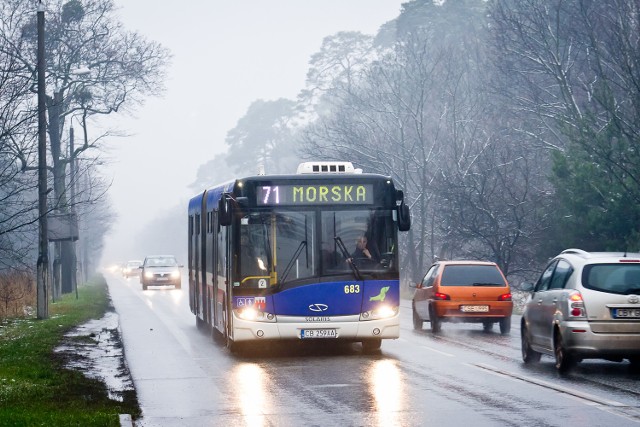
(463,291)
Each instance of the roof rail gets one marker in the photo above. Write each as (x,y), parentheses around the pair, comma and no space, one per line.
(576,252)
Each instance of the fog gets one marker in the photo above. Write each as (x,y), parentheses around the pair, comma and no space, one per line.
(225,56)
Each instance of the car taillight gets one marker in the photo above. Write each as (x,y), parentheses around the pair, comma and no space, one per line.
(504,297)
(441,296)
(576,305)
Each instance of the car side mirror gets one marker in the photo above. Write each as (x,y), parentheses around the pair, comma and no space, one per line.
(527,287)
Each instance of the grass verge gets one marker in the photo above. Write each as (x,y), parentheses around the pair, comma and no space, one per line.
(35,387)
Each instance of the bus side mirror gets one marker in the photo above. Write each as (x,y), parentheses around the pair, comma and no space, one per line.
(404,217)
(224,210)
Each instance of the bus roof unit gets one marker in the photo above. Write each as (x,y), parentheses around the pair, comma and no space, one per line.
(327,167)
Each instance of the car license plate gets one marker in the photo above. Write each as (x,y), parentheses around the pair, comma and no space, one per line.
(474,308)
(319,333)
(162,279)
(633,313)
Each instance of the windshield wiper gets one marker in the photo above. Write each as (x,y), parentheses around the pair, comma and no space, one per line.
(266,240)
(347,256)
(302,245)
(486,284)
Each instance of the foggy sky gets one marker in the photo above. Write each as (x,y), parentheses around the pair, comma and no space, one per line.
(226,54)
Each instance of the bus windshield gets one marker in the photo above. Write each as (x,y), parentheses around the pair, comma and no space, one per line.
(363,238)
(279,247)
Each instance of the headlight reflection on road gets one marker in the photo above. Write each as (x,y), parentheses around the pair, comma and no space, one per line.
(386,387)
(177,297)
(250,386)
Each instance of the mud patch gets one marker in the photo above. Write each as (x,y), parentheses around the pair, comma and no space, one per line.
(95,349)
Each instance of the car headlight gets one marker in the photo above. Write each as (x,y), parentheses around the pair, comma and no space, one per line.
(383,311)
(250,313)
(175,274)
(148,274)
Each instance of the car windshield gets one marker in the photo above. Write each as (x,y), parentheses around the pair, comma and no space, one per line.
(161,262)
(615,278)
(471,275)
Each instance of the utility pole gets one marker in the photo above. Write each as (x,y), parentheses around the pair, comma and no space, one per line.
(72,179)
(43,248)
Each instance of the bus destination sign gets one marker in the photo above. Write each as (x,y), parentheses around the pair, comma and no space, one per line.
(314,194)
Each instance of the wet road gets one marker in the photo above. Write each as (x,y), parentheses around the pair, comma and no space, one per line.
(462,376)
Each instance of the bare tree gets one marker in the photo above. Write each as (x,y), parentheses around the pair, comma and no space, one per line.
(94,67)
(573,72)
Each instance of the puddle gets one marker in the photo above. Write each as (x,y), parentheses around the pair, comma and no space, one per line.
(96,350)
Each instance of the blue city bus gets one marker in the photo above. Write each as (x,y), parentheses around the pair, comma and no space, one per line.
(273,257)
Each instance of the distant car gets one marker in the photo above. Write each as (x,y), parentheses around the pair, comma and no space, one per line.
(160,270)
(463,291)
(584,306)
(131,268)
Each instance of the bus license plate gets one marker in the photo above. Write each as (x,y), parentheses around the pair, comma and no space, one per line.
(633,313)
(319,333)
(474,308)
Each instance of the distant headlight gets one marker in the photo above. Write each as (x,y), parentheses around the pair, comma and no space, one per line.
(381,312)
(175,274)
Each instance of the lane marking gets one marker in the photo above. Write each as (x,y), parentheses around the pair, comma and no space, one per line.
(572,392)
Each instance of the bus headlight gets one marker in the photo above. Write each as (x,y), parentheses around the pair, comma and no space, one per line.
(381,312)
(253,315)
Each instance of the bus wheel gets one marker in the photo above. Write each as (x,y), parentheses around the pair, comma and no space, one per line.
(199,323)
(217,336)
(372,345)
(234,347)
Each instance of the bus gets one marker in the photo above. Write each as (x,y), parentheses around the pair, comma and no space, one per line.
(273,257)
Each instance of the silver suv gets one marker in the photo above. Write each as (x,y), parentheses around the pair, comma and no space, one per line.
(585,305)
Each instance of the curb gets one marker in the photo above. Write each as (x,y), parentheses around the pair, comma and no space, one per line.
(125,420)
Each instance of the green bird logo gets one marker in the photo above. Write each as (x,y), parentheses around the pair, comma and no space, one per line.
(381,296)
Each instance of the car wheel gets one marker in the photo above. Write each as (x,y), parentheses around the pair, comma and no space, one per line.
(178,286)
(436,323)
(564,359)
(372,345)
(417,321)
(144,287)
(505,325)
(487,326)
(634,364)
(529,355)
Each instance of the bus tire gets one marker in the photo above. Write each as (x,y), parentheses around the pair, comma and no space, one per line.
(371,345)
(200,323)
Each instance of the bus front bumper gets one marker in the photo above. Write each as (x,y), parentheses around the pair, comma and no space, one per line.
(349,328)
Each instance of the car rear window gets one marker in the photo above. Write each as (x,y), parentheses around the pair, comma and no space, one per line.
(471,275)
(616,278)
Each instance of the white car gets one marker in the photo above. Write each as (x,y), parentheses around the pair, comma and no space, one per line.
(585,305)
